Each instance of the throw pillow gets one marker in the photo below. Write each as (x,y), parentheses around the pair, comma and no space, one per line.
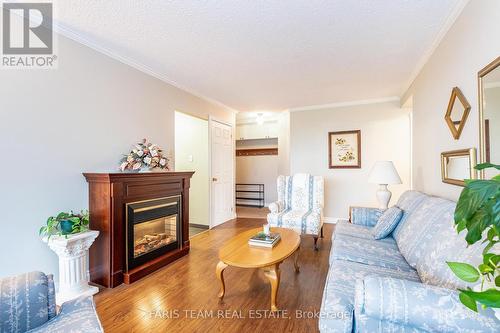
(387,222)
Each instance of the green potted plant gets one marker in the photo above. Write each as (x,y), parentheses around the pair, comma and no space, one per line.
(478,212)
(65,224)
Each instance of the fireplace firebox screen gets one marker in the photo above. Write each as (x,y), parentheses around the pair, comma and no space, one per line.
(153,228)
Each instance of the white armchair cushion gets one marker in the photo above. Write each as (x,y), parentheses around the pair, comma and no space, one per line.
(275,207)
(303,222)
(300,204)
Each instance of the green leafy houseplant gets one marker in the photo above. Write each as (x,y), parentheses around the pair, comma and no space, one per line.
(66,224)
(478,212)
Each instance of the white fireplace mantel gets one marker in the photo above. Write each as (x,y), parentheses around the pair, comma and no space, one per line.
(73,264)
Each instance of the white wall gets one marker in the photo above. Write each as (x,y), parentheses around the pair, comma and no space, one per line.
(259,170)
(470,44)
(284,143)
(56,124)
(191,154)
(384,136)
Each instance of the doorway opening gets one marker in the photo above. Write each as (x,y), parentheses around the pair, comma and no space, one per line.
(192,154)
(257,162)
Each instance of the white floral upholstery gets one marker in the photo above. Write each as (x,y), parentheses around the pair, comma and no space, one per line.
(274,207)
(370,252)
(365,216)
(27,304)
(77,315)
(386,298)
(351,229)
(447,245)
(359,231)
(337,307)
(300,204)
(387,222)
(419,229)
(387,304)
(373,325)
(26,301)
(408,202)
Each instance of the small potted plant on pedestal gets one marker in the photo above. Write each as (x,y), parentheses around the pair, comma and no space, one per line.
(65,224)
(71,241)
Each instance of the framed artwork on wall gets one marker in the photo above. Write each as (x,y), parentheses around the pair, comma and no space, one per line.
(344,149)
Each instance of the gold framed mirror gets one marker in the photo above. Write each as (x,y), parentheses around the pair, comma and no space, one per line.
(457,165)
(489,116)
(457,112)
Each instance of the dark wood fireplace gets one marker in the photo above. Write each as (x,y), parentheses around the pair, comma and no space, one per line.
(143,219)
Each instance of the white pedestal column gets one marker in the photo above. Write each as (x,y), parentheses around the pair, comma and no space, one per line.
(73,264)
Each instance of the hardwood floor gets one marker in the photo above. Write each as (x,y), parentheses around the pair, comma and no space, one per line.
(193,231)
(251,212)
(182,297)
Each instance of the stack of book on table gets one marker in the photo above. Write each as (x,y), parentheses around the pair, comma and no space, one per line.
(263,240)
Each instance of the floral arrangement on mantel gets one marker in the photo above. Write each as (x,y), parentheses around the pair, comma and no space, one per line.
(145,155)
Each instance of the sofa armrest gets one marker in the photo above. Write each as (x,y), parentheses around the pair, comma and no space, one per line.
(365,216)
(275,207)
(418,305)
(77,315)
(26,300)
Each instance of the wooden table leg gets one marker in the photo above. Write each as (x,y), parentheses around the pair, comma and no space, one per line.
(219,271)
(296,260)
(273,274)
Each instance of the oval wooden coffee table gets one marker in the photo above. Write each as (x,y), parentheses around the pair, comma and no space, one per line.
(236,252)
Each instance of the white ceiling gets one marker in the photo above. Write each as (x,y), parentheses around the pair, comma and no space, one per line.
(266,55)
(251,117)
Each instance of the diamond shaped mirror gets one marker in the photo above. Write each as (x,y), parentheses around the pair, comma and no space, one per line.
(457,112)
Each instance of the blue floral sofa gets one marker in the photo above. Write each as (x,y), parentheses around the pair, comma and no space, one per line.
(400,283)
(27,304)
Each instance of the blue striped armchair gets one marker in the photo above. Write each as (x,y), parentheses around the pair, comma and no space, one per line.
(300,205)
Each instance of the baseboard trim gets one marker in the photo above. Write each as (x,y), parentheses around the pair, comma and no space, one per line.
(334,220)
(199,226)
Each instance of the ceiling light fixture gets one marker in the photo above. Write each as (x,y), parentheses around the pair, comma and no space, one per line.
(260,118)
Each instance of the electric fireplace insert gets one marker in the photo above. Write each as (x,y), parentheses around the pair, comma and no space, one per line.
(153,229)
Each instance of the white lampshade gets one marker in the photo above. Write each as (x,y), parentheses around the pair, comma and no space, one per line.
(384,172)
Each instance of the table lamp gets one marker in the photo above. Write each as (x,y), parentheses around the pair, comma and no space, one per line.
(384,173)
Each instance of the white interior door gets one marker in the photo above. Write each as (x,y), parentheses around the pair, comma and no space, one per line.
(222,167)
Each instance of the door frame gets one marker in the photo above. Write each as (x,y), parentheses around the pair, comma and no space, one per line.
(211,120)
(208,151)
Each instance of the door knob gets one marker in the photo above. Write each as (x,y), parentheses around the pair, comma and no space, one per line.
(214,179)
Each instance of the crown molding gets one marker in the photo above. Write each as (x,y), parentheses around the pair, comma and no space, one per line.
(347,103)
(67,32)
(450,20)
